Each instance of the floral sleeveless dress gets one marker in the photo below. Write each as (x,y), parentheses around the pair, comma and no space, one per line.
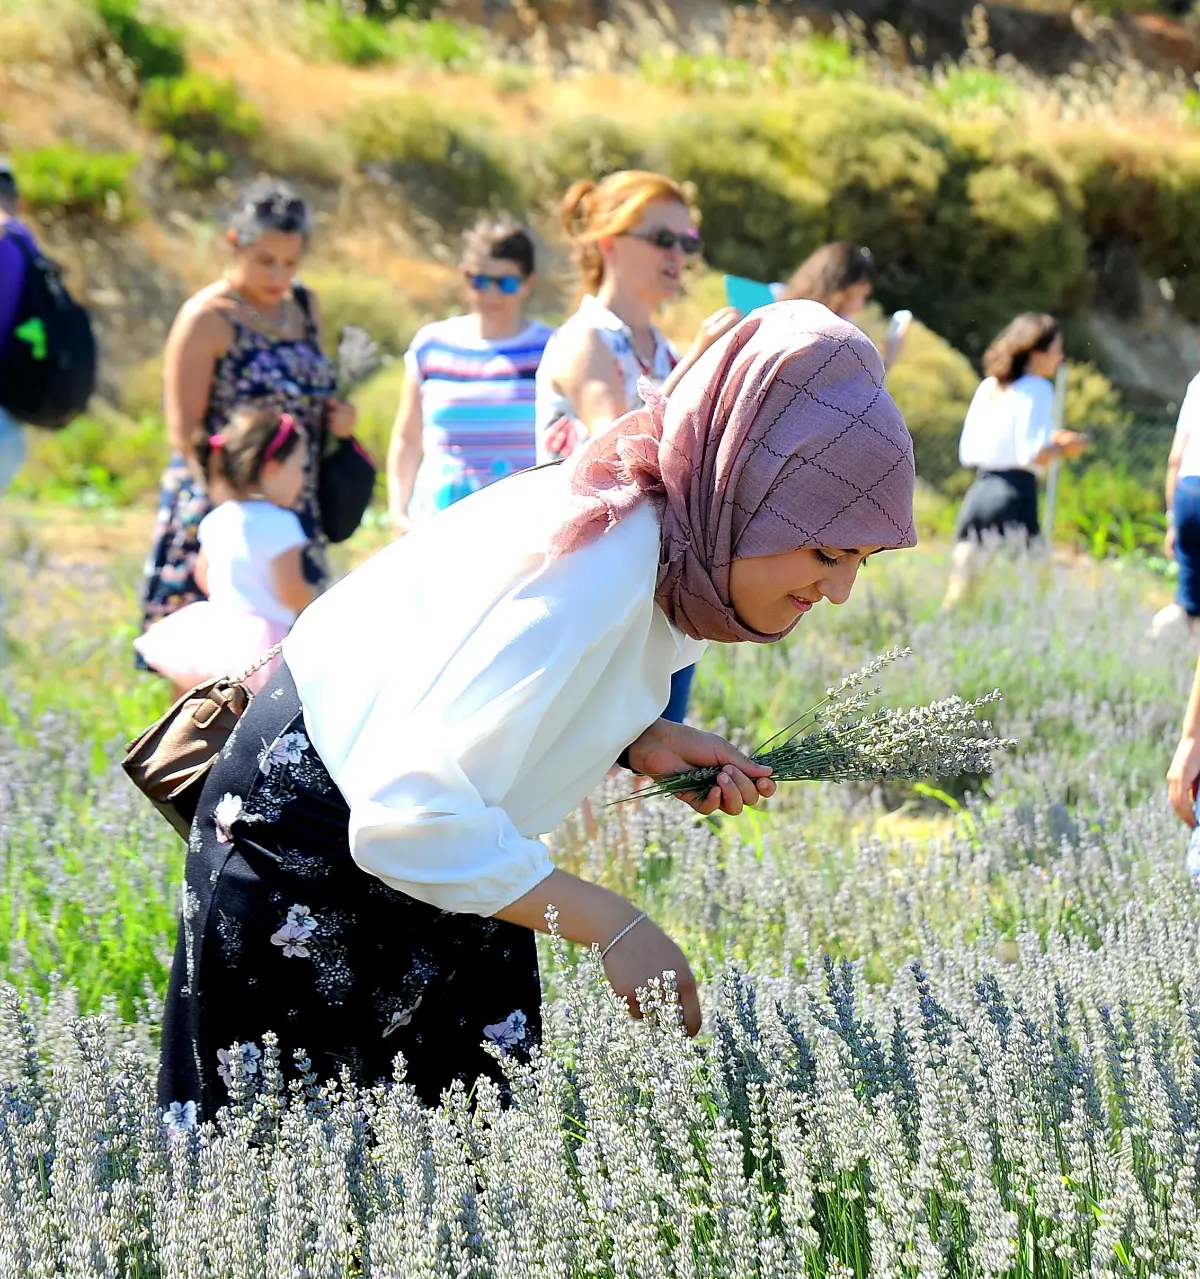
(300,379)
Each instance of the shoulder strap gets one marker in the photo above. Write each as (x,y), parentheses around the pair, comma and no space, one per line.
(304,302)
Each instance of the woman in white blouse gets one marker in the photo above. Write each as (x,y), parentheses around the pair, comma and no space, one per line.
(364,872)
(1008,436)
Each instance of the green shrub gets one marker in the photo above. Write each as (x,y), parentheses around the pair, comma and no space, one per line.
(705,72)
(1106,510)
(353,38)
(1145,189)
(964,232)
(374,304)
(932,385)
(197,116)
(154,48)
(818,57)
(440,42)
(65,178)
(957,86)
(758,218)
(104,458)
(449,165)
(590,146)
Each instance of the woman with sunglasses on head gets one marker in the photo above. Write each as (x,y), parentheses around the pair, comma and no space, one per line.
(466,416)
(633,234)
(841,276)
(253,335)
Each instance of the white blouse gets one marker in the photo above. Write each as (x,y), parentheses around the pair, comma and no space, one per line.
(466,692)
(1007,427)
(1187,431)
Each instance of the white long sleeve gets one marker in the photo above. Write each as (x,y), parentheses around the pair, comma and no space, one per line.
(466,693)
(1006,428)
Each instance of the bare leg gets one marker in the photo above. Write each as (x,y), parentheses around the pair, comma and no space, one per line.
(965,563)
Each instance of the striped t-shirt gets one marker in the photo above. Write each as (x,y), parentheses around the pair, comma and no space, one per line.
(477,402)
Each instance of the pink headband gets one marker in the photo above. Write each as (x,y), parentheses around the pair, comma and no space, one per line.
(287,424)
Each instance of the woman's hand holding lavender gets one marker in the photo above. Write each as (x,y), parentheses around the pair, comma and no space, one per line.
(666,748)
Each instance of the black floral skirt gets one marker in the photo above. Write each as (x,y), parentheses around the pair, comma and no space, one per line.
(281,931)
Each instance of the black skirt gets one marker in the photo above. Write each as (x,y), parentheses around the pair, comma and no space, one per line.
(281,931)
(1000,503)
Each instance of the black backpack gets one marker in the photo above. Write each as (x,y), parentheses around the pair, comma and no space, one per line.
(48,363)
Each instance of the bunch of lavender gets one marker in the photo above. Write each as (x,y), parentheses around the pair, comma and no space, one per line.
(358,358)
(841,740)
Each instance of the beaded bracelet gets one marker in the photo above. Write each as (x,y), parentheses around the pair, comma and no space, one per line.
(629,927)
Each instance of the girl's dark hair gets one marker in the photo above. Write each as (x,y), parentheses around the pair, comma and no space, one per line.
(268,204)
(238,453)
(501,237)
(1007,359)
(831,270)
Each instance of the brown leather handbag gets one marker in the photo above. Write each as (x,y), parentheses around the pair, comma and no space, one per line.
(170,761)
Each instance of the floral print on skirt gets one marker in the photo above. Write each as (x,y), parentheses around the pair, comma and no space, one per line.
(299,378)
(281,931)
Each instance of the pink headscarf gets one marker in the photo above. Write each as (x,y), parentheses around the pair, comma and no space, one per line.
(780,437)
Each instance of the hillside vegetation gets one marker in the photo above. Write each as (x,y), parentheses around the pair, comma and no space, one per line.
(981,188)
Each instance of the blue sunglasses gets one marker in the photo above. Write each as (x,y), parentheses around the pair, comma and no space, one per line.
(507,284)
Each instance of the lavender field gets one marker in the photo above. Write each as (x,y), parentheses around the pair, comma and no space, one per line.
(950,1031)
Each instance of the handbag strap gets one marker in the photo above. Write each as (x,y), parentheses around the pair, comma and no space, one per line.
(268,656)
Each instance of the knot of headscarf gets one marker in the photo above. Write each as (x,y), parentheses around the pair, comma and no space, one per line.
(780,437)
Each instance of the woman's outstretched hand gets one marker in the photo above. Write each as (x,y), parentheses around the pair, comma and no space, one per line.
(644,955)
(675,748)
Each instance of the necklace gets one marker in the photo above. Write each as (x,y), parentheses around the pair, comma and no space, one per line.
(275,328)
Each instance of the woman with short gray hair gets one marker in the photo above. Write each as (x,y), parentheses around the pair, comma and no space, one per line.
(252,336)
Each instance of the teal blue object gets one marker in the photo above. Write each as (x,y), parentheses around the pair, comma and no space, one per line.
(747,295)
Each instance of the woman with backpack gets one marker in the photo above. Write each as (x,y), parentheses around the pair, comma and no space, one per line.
(254,335)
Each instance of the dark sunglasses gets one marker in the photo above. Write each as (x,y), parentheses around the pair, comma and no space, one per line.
(283,215)
(690,242)
(507,284)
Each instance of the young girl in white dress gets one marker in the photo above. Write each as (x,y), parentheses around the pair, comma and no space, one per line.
(250,563)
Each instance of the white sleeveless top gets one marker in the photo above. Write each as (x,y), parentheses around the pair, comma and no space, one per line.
(552,406)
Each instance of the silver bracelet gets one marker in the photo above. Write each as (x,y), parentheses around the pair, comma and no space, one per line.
(629,927)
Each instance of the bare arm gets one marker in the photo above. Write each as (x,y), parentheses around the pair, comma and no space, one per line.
(198,338)
(593,916)
(1178,445)
(200,572)
(588,376)
(287,577)
(1185,767)
(404,454)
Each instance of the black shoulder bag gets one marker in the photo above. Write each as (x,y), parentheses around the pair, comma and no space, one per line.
(346,471)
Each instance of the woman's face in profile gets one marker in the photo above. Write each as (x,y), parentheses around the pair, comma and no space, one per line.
(849,302)
(769,592)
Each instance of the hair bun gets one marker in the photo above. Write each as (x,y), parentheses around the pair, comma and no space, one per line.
(576,206)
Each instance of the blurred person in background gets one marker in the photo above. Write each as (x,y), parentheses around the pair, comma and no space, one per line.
(1007,438)
(12,283)
(466,417)
(633,235)
(253,335)
(1182,542)
(841,276)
